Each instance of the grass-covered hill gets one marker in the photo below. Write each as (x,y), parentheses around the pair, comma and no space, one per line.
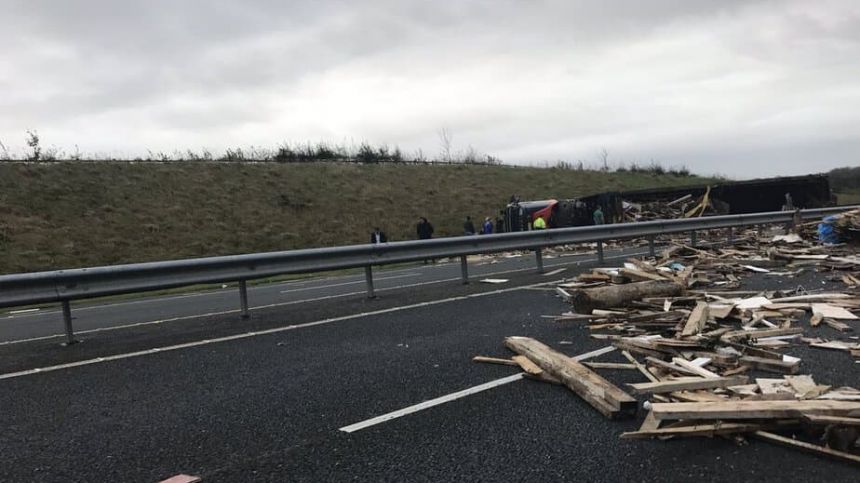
(73,214)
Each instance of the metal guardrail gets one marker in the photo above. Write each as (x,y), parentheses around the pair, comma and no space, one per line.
(65,285)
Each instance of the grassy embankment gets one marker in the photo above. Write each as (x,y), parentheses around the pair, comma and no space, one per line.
(75,214)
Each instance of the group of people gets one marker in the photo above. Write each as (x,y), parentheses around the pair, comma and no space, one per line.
(486,227)
(424,230)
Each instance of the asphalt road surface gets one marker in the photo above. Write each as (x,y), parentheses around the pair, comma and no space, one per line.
(265,399)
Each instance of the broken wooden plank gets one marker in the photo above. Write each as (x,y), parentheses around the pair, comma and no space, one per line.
(826,420)
(696,321)
(730,410)
(604,396)
(663,387)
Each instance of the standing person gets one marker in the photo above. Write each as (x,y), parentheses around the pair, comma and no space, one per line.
(598,216)
(468,226)
(378,236)
(487,229)
(539,224)
(500,225)
(424,229)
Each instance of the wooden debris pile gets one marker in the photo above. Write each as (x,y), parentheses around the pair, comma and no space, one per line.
(709,353)
(686,206)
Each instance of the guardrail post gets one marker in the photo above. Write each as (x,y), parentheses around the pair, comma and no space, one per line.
(464,269)
(368,277)
(600,252)
(243,298)
(67,321)
(651,252)
(692,238)
(539,259)
(731,235)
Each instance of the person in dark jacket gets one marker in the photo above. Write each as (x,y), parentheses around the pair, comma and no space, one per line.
(378,236)
(424,229)
(468,226)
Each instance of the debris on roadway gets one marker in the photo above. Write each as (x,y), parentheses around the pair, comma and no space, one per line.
(711,355)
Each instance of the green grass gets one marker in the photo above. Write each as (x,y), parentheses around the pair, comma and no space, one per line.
(75,214)
(848,197)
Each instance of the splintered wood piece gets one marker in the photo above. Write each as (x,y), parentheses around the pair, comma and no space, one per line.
(730,410)
(840,326)
(696,321)
(808,447)
(527,365)
(700,371)
(663,387)
(645,372)
(604,396)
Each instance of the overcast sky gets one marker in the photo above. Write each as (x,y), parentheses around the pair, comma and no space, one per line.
(740,88)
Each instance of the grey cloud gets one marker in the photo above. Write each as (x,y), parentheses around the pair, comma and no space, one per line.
(692,82)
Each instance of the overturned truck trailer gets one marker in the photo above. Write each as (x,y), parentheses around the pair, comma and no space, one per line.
(730,197)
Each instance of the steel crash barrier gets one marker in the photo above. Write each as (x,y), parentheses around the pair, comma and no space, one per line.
(63,286)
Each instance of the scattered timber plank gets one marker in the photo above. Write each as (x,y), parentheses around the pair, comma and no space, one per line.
(604,396)
(696,396)
(832,312)
(812,298)
(755,334)
(731,410)
(825,420)
(494,360)
(770,365)
(639,275)
(720,310)
(709,430)
(663,387)
(808,447)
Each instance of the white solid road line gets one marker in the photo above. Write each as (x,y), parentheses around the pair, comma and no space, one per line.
(429,404)
(246,335)
(280,304)
(349,283)
(457,395)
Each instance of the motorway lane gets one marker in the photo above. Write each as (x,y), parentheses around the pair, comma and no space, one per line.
(267,408)
(88,316)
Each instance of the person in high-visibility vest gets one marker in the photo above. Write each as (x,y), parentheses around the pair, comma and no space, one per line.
(539,224)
